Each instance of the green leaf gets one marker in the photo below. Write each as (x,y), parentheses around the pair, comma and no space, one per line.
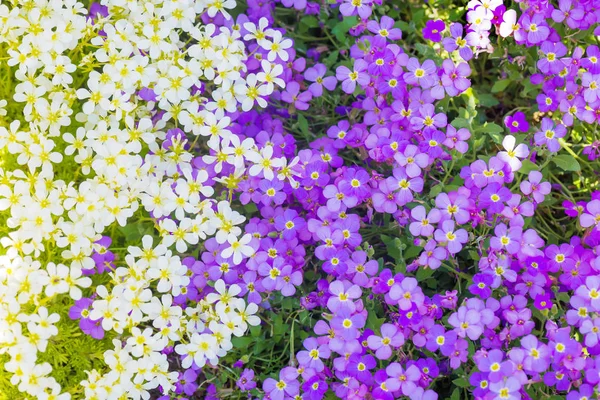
(424,273)
(487,100)
(500,85)
(373,322)
(331,58)
(566,162)
(527,167)
(303,125)
(461,382)
(490,128)
(310,21)
(461,123)
(341,29)
(455,394)
(437,189)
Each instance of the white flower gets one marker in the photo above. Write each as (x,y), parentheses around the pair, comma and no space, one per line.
(225,297)
(509,23)
(513,154)
(258,33)
(270,75)
(263,162)
(277,47)
(239,249)
(42,323)
(479,19)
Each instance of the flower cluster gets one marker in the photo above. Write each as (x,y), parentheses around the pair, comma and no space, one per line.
(176,174)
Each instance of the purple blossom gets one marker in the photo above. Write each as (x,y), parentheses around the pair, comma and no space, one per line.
(433,30)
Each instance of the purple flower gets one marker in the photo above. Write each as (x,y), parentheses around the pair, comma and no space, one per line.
(316,74)
(551,63)
(314,388)
(423,226)
(311,357)
(428,119)
(353,7)
(537,354)
(591,83)
(454,239)
(507,389)
(536,28)
(412,160)
(349,78)
(422,75)
(458,42)
(403,379)
(535,187)
(390,338)
(572,13)
(187,382)
(591,215)
(289,223)
(405,185)
(454,77)
(292,95)
(508,239)
(457,139)
(494,365)
(347,324)
(433,30)
(385,28)
(406,293)
(549,135)
(481,285)
(516,122)
(343,296)
(281,389)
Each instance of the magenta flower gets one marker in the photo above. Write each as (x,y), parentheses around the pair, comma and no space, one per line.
(517,122)
(433,30)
